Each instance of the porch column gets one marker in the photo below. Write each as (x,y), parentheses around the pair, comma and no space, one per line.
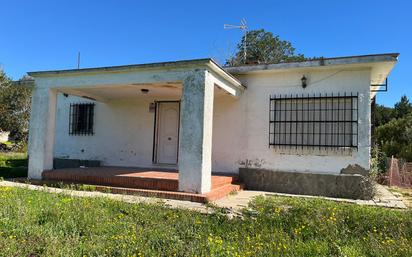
(195,137)
(41,131)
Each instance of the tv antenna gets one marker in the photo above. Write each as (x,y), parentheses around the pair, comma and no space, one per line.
(244,28)
(78,60)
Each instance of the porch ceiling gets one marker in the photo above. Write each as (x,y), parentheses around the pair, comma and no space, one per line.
(126,91)
(169,90)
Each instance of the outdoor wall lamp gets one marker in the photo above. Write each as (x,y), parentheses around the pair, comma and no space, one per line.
(304,81)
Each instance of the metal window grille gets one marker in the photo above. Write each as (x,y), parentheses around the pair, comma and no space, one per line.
(329,121)
(81,119)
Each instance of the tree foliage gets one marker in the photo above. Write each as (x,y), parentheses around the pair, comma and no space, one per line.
(394,129)
(263,47)
(395,137)
(383,115)
(402,108)
(14,108)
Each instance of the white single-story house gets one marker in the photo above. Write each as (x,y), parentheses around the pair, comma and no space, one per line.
(194,116)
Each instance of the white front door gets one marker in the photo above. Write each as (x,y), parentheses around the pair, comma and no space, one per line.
(167,132)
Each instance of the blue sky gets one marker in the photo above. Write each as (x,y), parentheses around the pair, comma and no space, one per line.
(46,35)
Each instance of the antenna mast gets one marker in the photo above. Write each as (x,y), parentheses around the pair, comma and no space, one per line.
(243,26)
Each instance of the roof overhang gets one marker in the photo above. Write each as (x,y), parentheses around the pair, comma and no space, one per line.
(380,65)
(158,75)
(195,63)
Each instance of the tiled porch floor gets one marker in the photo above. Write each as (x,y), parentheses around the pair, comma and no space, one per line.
(147,182)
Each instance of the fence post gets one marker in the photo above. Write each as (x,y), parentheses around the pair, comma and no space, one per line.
(391,172)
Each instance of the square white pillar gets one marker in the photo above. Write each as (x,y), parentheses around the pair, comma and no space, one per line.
(41,131)
(195,137)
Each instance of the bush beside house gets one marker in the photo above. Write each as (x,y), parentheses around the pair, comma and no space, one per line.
(15,101)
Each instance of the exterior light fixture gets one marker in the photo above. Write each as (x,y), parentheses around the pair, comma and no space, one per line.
(144,91)
(304,81)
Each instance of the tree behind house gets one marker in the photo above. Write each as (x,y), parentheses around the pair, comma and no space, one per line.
(383,115)
(263,47)
(394,129)
(402,108)
(395,137)
(14,108)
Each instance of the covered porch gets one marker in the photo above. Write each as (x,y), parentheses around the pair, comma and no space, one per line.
(161,183)
(191,85)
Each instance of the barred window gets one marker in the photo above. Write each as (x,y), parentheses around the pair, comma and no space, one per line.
(314,121)
(81,119)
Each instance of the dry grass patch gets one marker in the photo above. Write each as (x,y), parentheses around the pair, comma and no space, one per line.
(404,193)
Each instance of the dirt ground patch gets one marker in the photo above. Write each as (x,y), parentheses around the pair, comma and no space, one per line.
(404,193)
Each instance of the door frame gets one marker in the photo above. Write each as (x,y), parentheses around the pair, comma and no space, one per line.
(156,131)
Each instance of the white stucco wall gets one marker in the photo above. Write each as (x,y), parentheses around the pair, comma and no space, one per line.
(123,133)
(241,127)
(124,128)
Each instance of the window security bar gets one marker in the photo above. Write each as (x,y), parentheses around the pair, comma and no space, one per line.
(329,121)
(81,119)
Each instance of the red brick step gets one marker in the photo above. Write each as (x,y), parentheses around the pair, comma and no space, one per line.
(144,182)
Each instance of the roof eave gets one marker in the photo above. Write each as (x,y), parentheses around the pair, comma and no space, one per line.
(322,62)
(205,62)
(222,72)
(121,68)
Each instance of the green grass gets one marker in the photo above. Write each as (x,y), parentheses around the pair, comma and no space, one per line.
(8,143)
(34,223)
(13,165)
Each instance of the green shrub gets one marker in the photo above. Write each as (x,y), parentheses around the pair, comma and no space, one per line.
(395,137)
(378,161)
